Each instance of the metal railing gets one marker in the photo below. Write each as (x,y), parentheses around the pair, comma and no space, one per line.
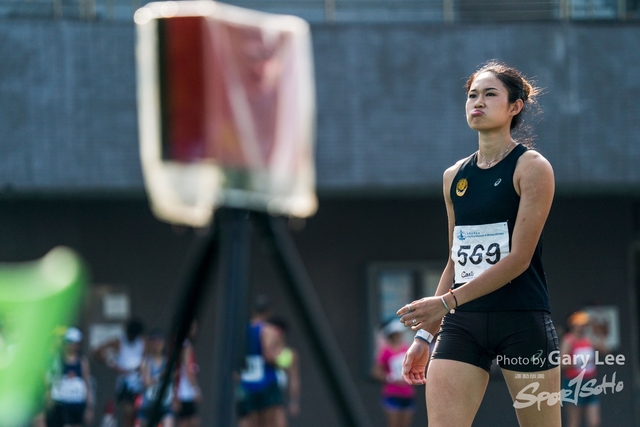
(354,10)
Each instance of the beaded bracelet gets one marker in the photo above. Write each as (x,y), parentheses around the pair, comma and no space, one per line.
(454,297)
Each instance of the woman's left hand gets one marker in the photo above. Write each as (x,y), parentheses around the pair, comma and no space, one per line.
(422,312)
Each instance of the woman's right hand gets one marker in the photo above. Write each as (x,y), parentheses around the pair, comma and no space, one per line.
(415,363)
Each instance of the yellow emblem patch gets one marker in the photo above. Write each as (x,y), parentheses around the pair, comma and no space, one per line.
(461,187)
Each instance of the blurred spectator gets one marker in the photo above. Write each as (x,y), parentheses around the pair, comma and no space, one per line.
(124,355)
(188,394)
(398,397)
(288,368)
(153,368)
(582,350)
(260,399)
(71,397)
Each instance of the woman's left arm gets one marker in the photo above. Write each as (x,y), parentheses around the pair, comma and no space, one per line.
(534,182)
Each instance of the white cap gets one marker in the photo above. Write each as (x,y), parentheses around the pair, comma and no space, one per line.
(393,327)
(73,335)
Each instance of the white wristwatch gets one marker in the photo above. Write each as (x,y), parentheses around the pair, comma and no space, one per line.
(424,335)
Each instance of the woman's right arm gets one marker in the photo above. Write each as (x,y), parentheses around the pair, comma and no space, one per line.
(416,358)
(446,279)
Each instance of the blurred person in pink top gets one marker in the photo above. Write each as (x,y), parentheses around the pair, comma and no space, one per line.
(398,397)
(583,349)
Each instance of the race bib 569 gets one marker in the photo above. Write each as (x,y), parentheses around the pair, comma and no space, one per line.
(477,247)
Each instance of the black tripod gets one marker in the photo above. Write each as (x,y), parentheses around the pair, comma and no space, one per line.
(228,244)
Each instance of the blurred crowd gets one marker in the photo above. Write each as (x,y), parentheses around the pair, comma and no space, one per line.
(138,360)
(267,393)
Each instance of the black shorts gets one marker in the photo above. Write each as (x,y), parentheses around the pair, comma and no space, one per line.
(518,340)
(145,412)
(126,395)
(256,401)
(188,409)
(62,414)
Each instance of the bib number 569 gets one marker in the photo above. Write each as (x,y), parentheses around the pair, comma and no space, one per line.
(478,254)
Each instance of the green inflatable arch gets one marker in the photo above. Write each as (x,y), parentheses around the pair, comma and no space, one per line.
(36,299)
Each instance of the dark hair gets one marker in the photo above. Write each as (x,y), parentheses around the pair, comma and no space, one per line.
(261,304)
(518,87)
(135,328)
(279,322)
(155,333)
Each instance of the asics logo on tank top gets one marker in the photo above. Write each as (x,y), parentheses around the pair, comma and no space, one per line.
(495,184)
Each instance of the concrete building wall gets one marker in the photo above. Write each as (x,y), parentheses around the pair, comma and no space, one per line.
(390,103)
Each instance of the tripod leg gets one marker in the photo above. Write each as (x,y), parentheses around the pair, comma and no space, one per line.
(198,272)
(232,314)
(310,311)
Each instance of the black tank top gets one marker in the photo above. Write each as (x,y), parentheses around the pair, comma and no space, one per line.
(72,369)
(487,196)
